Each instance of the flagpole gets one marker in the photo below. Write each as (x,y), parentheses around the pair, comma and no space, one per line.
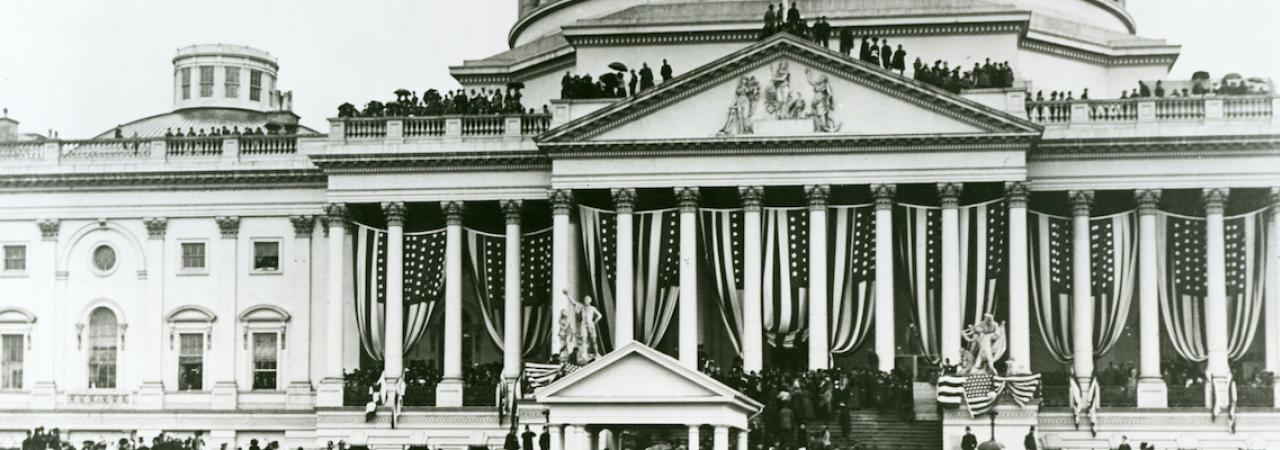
(993,415)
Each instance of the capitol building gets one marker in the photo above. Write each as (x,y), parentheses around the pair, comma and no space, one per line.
(665,224)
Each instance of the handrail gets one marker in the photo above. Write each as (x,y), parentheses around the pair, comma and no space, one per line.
(453,125)
(1153,109)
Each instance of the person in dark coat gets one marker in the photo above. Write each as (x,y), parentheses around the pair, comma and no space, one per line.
(793,17)
(1029,442)
(511,442)
(846,40)
(865,53)
(646,77)
(969,441)
(886,55)
(544,439)
(1124,443)
(665,71)
(900,60)
(526,438)
(770,21)
(822,32)
(631,84)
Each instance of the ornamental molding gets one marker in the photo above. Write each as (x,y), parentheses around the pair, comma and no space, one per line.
(337,215)
(434,162)
(1148,201)
(1017,193)
(687,199)
(1055,49)
(394,213)
(1144,148)
(156,227)
(752,198)
(49,229)
(949,194)
(229,226)
(468,75)
(175,180)
(883,195)
(512,210)
(792,145)
(767,52)
(817,196)
(453,212)
(1080,202)
(1215,200)
(605,34)
(561,201)
(303,226)
(624,200)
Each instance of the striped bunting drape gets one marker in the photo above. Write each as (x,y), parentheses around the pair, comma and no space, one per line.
(722,246)
(851,251)
(486,258)
(1180,261)
(786,275)
(423,284)
(655,239)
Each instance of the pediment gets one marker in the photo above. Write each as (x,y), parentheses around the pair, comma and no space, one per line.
(637,373)
(192,313)
(264,313)
(785,87)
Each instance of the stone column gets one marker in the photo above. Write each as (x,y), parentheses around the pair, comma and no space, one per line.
(688,200)
(513,320)
(720,441)
(1215,305)
(330,392)
(299,334)
(952,312)
(557,436)
(572,437)
(752,323)
(625,291)
(1019,307)
(1151,389)
(393,334)
(449,390)
(227,264)
(693,438)
(151,390)
(742,440)
(1271,309)
(886,345)
(1081,287)
(561,205)
(47,367)
(819,350)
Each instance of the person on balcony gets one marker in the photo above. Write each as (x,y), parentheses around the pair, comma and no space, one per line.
(632,83)
(665,71)
(886,55)
(1031,441)
(899,61)
(770,21)
(646,77)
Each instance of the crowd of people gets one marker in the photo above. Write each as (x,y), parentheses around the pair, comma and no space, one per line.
(873,50)
(433,103)
(619,82)
(982,76)
(215,131)
(51,439)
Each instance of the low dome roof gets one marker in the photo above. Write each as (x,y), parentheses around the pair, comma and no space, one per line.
(196,119)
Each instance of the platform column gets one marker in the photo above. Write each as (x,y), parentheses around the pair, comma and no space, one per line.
(1019,309)
(1081,287)
(331,386)
(1215,203)
(1152,392)
(819,350)
(752,324)
(393,343)
(561,240)
(624,292)
(688,200)
(693,437)
(513,320)
(886,346)
(952,315)
(449,390)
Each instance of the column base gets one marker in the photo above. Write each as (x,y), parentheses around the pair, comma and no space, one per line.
(225,395)
(151,395)
(44,395)
(449,392)
(1152,393)
(299,394)
(330,393)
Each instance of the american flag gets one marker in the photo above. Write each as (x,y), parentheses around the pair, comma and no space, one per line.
(918,265)
(980,393)
(722,246)
(423,284)
(984,228)
(851,250)
(786,271)
(486,255)
(656,269)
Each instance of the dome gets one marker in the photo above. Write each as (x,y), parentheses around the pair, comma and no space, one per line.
(207,119)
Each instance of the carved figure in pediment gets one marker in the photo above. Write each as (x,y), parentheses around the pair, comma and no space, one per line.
(778,94)
(743,110)
(822,104)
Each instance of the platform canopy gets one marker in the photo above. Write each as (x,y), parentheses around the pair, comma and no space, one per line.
(637,385)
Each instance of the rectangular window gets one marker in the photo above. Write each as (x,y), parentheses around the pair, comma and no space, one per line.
(255,85)
(206,81)
(191,362)
(193,256)
(11,356)
(264,361)
(233,82)
(15,258)
(186,83)
(266,256)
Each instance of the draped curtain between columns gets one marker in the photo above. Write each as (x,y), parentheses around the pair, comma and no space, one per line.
(655,238)
(423,284)
(983,286)
(1113,261)
(850,251)
(486,259)
(1180,262)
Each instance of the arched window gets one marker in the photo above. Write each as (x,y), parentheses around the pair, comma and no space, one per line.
(104,337)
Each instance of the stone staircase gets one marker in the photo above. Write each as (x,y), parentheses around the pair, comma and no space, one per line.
(884,431)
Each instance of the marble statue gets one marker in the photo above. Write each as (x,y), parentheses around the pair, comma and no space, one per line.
(578,331)
(743,110)
(822,104)
(988,343)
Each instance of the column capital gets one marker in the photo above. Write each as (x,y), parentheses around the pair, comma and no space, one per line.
(1215,200)
(1080,202)
(624,200)
(1275,208)
(511,209)
(452,212)
(49,229)
(949,194)
(229,226)
(687,198)
(394,212)
(303,226)
(336,215)
(156,227)
(752,197)
(561,201)
(883,195)
(1148,201)
(817,195)
(1016,193)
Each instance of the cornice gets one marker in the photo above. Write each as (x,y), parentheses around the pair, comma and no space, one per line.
(434,162)
(792,145)
(1154,147)
(505,74)
(240,179)
(610,35)
(1043,46)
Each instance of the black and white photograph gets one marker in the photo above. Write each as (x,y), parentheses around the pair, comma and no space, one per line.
(639,225)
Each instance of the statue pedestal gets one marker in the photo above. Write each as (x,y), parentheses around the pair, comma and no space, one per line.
(1012,422)
(1152,393)
(783,126)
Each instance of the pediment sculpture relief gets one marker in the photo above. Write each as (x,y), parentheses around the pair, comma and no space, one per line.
(781,102)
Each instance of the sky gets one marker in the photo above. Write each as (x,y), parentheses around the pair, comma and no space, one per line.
(83,66)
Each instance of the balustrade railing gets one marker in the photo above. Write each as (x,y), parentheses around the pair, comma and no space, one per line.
(535,124)
(423,126)
(483,125)
(1111,111)
(1180,108)
(193,146)
(105,149)
(1049,111)
(99,398)
(268,145)
(396,128)
(373,127)
(1255,396)
(1147,109)
(1247,107)
(21,151)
